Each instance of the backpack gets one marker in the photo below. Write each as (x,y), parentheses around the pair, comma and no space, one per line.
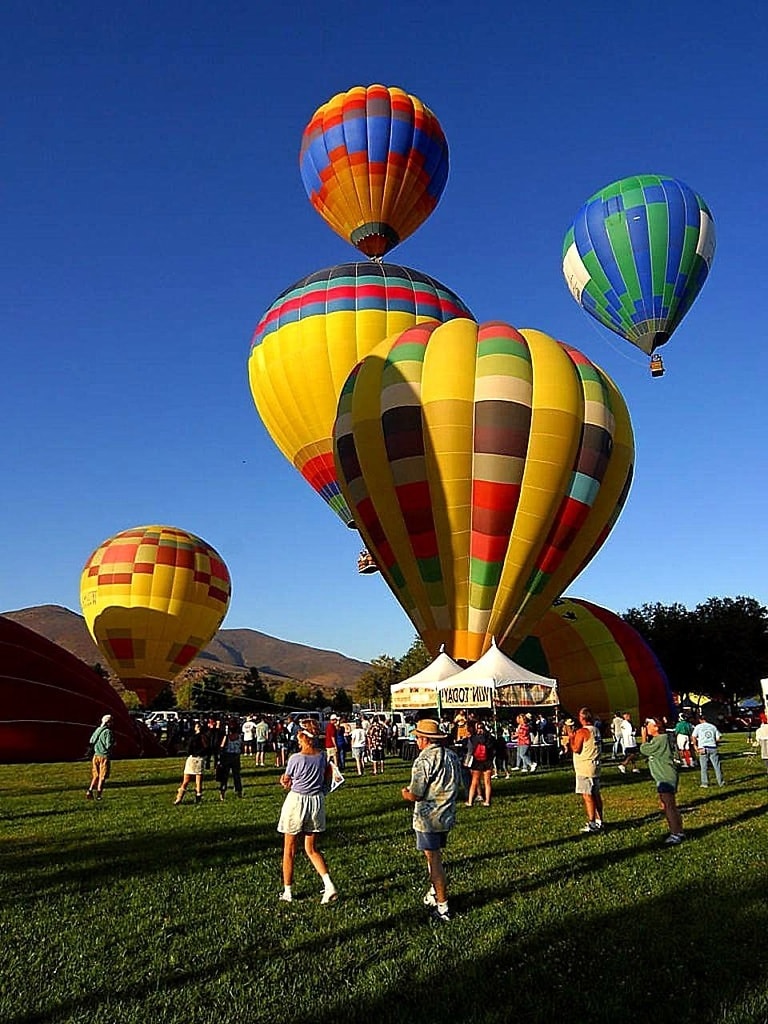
(481,752)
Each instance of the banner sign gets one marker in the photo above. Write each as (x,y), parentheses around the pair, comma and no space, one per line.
(470,695)
(414,698)
(523,695)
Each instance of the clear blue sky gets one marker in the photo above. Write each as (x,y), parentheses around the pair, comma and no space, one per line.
(153,210)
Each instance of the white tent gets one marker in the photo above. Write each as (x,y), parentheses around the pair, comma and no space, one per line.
(496,680)
(418,692)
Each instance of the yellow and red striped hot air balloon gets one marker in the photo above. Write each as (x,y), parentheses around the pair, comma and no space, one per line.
(484,466)
(598,659)
(152,598)
(374,162)
(310,338)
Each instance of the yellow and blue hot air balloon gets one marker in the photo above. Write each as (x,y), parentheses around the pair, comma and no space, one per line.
(484,466)
(374,162)
(637,255)
(152,598)
(311,337)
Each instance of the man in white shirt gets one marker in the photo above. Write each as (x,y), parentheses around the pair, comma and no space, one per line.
(248,728)
(706,737)
(628,744)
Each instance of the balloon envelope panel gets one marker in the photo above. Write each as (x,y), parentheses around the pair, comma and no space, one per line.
(599,660)
(152,598)
(482,465)
(50,703)
(309,340)
(374,162)
(638,254)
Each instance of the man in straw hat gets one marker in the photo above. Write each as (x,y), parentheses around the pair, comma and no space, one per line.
(434,790)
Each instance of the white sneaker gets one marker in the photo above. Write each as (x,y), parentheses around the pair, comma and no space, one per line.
(514,769)
(286,897)
(533,767)
(329,895)
(430,899)
(621,768)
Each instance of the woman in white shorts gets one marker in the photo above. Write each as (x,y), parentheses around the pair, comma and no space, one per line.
(193,767)
(306,776)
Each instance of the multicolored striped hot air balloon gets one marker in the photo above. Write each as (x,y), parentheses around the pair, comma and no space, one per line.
(638,254)
(482,465)
(374,162)
(309,340)
(598,659)
(152,598)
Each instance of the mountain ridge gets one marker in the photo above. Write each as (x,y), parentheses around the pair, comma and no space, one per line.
(230,649)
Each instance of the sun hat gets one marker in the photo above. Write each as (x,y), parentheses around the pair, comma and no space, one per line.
(429,729)
(105,719)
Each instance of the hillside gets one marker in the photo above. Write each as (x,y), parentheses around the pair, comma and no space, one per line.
(230,648)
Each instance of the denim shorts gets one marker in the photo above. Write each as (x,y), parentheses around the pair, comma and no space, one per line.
(431,840)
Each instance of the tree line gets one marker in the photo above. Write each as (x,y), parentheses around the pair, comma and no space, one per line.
(718,649)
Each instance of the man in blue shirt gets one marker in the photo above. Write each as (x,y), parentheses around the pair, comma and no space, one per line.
(433,790)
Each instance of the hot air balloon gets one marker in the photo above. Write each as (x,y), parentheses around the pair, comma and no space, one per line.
(483,465)
(637,255)
(310,339)
(50,703)
(374,162)
(152,598)
(598,659)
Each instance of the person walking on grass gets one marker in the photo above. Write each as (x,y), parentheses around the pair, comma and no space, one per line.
(706,737)
(357,739)
(230,753)
(628,745)
(480,750)
(433,791)
(102,741)
(683,733)
(305,778)
(197,747)
(656,745)
(260,738)
(376,740)
(616,723)
(585,744)
(523,736)
(761,739)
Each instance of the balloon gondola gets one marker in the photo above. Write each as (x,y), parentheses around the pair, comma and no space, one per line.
(366,563)
(657,365)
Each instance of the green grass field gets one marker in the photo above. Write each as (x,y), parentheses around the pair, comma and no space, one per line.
(132,910)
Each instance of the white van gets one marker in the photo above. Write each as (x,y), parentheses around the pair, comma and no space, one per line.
(163,718)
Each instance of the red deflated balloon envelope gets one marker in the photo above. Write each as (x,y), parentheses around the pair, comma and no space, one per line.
(50,703)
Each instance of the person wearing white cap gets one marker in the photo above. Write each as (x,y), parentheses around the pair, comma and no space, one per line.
(433,790)
(101,742)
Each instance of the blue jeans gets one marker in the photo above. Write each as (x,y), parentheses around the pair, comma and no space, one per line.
(707,755)
(523,758)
